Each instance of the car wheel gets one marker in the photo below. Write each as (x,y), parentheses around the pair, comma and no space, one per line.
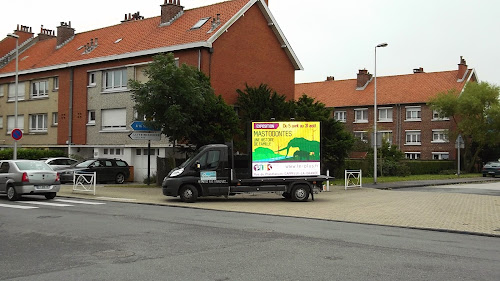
(120,178)
(12,194)
(189,194)
(300,193)
(50,196)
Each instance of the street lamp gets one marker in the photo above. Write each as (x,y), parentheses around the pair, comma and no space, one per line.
(382,45)
(16,90)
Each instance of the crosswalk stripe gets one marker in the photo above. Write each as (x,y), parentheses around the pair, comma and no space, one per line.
(47,204)
(116,198)
(79,202)
(18,206)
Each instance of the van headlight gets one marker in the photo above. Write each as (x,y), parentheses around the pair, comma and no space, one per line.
(175,173)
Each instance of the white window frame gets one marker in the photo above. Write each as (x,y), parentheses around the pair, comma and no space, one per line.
(117,77)
(386,135)
(364,115)
(340,116)
(35,120)
(437,116)
(440,155)
(114,119)
(440,136)
(56,83)
(55,118)
(412,155)
(415,137)
(20,91)
(39,89)
(414,112)
(386,112)
(91,117)
(362,135)
(10,123)
(92,80)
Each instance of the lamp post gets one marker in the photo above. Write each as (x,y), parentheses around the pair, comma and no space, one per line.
(382,45)
(16,90)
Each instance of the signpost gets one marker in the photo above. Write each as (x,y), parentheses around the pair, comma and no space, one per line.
(459,143)
(142,132)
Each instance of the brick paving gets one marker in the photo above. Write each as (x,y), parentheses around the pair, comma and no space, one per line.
(456,212)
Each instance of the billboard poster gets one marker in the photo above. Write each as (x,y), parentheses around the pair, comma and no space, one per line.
(290,148)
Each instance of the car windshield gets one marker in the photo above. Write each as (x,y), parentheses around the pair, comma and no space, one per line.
(493,164)
(33,166)
(84,164)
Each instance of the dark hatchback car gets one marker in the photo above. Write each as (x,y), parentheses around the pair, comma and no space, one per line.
(491,169)
(107,170)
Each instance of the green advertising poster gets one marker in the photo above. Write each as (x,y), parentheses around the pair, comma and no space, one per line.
(285,149)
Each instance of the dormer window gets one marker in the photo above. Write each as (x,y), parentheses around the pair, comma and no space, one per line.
(200,23)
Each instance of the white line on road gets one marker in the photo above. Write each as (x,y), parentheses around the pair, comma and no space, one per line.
(47,204)
(79,202)
(114,198)
(18,206)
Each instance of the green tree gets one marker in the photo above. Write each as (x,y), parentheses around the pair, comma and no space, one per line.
(182,104)
(262,103)
(476,113)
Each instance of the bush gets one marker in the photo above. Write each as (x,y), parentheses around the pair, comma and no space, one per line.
(152,179)
(393,168)
(30,153)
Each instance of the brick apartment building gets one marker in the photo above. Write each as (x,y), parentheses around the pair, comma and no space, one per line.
(73,86)
(404,118)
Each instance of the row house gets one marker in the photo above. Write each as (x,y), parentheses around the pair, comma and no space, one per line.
(403,118)
(73,92)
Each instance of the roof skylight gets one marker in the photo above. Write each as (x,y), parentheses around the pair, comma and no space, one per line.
(200,23)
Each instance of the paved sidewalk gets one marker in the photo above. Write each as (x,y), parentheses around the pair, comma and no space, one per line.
(454,212)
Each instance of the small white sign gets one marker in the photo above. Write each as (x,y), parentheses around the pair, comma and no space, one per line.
(148,135)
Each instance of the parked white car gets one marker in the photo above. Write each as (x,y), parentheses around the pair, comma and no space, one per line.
(23,177)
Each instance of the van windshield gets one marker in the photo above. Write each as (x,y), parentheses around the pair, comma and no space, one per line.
(185,163)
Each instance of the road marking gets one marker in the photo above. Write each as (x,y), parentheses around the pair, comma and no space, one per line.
(79,202)
(47,204)
(115,198)
(18,206)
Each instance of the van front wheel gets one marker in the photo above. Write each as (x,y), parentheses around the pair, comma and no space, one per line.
(189,194)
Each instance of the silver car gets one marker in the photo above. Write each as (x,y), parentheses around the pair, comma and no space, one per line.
(22,177)
(63,166)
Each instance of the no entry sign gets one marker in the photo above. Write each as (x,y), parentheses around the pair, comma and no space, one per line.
(16,134)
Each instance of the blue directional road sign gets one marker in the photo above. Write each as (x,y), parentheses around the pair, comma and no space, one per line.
(140,126)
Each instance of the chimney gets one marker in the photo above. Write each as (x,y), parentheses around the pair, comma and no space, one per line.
(64,33)
(363,78)
(171,11)
(462,68)
(330,78)
(45,34)
(133,17)
(418,70)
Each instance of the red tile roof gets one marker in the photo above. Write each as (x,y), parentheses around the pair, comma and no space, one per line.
(401,89)
(137,36)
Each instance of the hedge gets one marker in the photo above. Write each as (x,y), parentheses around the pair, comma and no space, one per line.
(30,153)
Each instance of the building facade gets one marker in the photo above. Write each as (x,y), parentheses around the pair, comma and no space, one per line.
(73,91)
(403,118)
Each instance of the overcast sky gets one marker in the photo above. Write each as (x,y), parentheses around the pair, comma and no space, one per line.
(330,37)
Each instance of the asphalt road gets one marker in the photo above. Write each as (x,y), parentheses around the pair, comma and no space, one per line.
(125,241)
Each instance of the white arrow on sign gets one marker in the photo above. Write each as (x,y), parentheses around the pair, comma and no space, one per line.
(145,135)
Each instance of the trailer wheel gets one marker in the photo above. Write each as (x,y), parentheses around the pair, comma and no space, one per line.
(189,194)
(300,193)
